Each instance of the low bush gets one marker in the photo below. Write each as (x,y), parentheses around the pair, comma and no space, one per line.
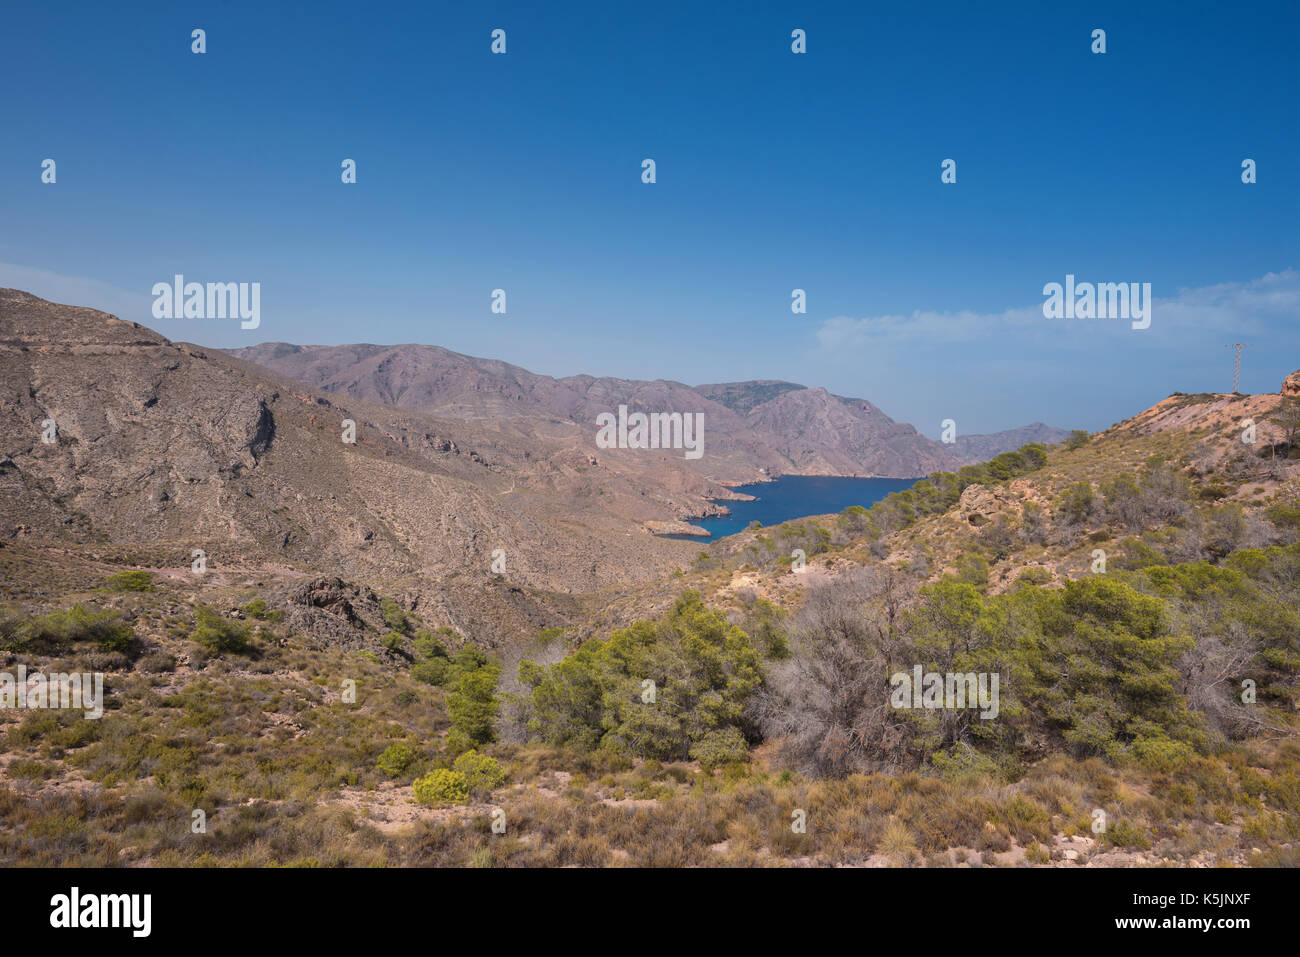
(217,635)
(130,581)
(257,609)
(395,759)
(480,772)
(441,787)
(58,631)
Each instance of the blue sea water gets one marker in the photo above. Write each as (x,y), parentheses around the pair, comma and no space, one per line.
(797,496)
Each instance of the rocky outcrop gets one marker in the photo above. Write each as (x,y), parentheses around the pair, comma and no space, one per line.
(1292,384)
(334,596)
(980,504)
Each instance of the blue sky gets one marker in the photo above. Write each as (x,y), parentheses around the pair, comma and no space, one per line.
(775,171)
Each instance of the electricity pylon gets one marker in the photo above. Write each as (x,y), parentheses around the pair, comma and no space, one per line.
(1236,366)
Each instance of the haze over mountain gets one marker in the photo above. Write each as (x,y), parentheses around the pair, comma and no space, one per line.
(773,426)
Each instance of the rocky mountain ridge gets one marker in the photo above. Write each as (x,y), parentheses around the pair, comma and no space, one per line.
(769,426)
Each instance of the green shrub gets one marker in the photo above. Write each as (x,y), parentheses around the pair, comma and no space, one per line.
(973,569)
(394,617)
(764,622)
(1286,516)
(721,746)
(33,770)
(441,787)
(428,645)
(704,669)
(130,581)
(435,671)
(1121,833)
(471,703)
(481,773)
(1108,666)
(853,520)
(217,635)
(963,763)
(1034,575)
(1075,503)
(549,635)
(395,759)
(1138,554)
(1162,754)
(257,609)
(56,632)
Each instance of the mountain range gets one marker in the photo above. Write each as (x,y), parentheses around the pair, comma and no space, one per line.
(770,426)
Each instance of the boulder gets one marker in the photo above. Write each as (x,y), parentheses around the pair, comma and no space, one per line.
(1292,384)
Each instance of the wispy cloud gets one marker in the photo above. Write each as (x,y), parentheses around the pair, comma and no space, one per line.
(1235,307)
(1228,308)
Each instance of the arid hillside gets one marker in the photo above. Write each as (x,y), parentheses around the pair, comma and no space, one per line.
(114,435)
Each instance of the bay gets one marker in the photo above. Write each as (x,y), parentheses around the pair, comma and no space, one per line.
(797,496)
